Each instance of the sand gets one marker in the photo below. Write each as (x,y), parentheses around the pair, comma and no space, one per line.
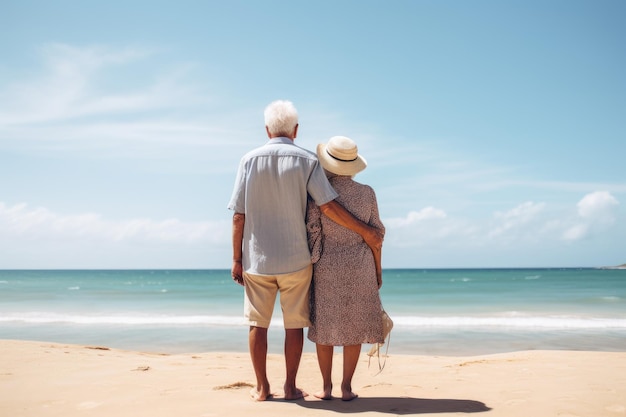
(47,379)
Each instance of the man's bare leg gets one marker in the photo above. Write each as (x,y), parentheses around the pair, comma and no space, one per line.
(258,352)
(294,341)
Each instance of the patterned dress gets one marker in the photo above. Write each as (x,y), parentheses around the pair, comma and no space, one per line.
(345,304)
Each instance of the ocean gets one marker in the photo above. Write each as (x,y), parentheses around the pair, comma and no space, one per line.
(458,312)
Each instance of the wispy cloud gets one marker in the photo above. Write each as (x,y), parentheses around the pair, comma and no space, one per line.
(99,97)
(38,223)
(67,87)
(515,220)
(527,222)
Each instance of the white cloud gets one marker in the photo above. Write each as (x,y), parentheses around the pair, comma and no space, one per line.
(522,226)
(517,219)
(431,226)
(414,217)
(428,227)
(23,222)
(598,207)
(596,212)
(576,232)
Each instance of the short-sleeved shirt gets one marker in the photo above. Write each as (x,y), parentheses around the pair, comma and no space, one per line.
(271,190)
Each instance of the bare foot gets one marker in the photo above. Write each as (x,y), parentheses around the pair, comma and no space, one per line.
(260,395)
(348,396)
(324,395)
(346,392)
(294,394)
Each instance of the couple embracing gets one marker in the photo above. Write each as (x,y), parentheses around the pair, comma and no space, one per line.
(302,227)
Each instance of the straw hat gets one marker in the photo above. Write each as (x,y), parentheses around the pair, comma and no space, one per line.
(340,156)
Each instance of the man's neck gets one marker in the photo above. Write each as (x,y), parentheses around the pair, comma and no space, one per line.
(282,136)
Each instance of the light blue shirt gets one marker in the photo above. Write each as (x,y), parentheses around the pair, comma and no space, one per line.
(271,190)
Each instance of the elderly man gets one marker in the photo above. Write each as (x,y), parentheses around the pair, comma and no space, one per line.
(270,248)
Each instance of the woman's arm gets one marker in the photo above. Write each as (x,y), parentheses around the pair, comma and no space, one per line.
(378,254)
(378,224)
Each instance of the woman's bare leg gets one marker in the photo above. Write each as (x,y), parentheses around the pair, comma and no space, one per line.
(351,356)
(325,361)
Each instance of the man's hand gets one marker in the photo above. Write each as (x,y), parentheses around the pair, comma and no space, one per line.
(374,239)
(237,272)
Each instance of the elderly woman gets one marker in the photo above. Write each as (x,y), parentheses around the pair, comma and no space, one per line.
(347,274)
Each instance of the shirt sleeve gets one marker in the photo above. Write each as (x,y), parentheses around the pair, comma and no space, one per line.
(238,199)
(318,186)
(314,230)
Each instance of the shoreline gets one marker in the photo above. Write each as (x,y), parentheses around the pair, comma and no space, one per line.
(54,379)
(426,340)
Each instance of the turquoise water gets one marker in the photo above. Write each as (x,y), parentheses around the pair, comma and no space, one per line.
(443,312)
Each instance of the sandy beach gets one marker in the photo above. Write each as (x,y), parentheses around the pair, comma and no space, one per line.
(46,379)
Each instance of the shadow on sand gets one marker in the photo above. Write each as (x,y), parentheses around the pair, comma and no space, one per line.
(397,405)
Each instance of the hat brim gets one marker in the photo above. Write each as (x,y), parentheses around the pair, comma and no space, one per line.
(340,167)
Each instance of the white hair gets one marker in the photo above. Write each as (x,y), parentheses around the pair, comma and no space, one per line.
(281,117)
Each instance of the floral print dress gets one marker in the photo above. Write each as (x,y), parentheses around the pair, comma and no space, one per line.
(345,303)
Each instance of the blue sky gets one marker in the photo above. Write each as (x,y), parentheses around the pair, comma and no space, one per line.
(495,131)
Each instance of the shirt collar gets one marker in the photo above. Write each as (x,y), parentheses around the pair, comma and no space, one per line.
(281,139)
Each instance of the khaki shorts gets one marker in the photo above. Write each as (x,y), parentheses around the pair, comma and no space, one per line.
(294,298)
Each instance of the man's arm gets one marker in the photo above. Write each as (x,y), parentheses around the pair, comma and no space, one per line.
(239,219)
(337,213)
